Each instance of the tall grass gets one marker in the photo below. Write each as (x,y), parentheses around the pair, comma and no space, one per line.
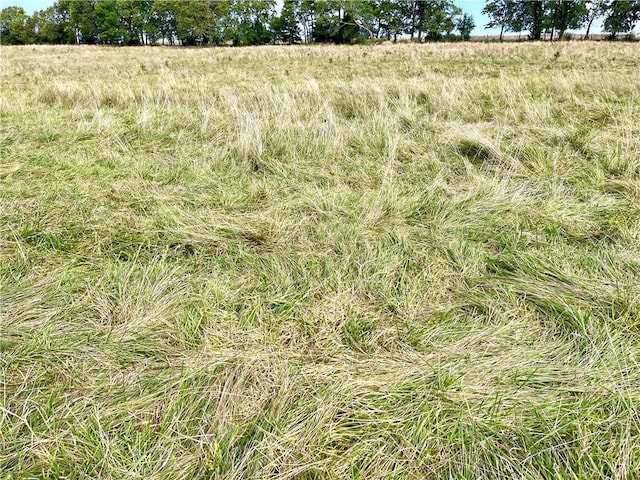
(364,262)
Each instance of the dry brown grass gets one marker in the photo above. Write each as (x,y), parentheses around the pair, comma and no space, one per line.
(410,261)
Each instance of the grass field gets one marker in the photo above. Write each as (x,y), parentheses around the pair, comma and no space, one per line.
(389,262)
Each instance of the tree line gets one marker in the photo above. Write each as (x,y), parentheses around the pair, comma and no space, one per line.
(256,22)
(239,22)
(555,17)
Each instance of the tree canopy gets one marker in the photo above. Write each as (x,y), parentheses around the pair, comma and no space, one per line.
(557,16)
(255,22)
(237,22)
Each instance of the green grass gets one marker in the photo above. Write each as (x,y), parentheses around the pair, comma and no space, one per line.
(417,261)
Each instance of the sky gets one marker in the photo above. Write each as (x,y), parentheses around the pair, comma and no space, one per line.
(473,7)
(29,5)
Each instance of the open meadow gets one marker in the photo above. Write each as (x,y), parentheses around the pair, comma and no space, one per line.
(363,262)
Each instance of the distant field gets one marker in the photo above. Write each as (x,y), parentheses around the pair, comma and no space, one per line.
(390,262)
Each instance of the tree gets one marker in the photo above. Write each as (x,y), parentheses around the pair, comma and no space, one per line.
(465,25)
(531,15)
(433,17)
(246,21)
(536,16)
(394,17)
(307,19)
(501,14)
(419,13)
(80,19)
(162,21)
(336,21)
(565,14)
(595,8)
(621,16)
(14,27)
(135,16)
(328,17)
(254,22)
(349,29)
(110,29)
(286,27)
(50,26)
(439,18)
(193,21)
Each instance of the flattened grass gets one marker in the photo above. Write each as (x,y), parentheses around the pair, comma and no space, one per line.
(365,262)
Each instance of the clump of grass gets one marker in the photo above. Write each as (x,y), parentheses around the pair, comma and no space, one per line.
(422,262)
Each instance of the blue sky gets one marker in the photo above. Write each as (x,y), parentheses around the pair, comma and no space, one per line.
(473,7)
(29,5)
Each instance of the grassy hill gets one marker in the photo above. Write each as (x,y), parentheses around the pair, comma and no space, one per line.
(410,261)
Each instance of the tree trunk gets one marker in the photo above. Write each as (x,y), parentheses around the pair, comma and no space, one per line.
(421,15)
(501,31)
(586,35)
(413,19)
(561,34)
